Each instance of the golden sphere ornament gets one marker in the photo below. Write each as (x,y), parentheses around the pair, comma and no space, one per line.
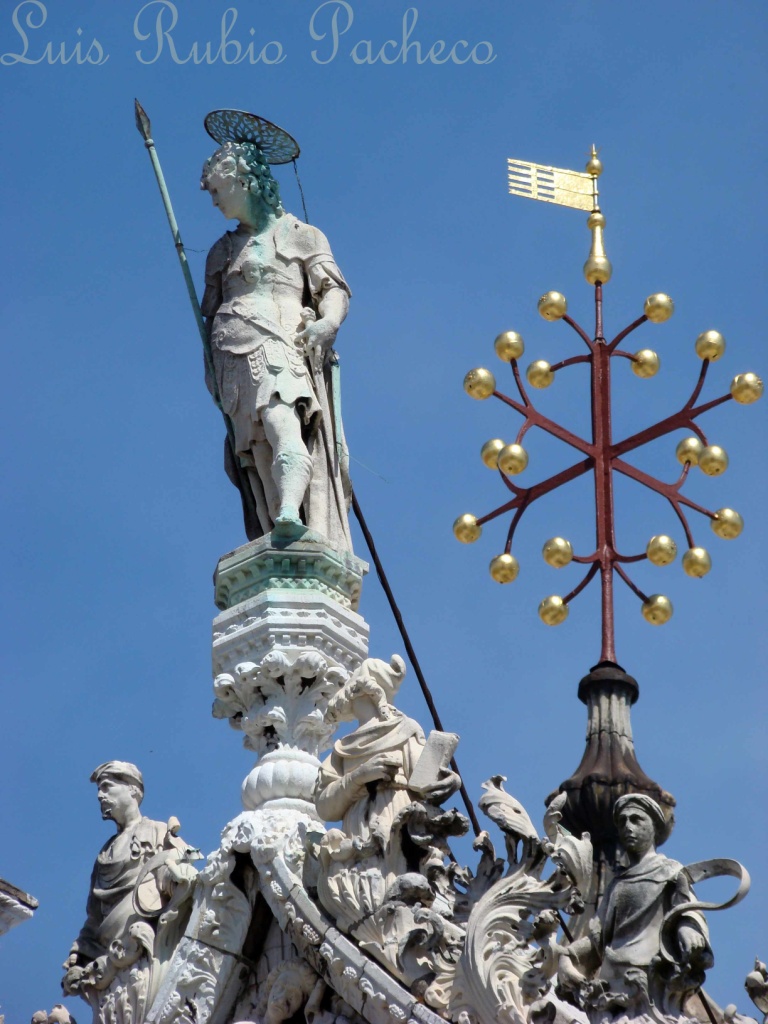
(539,374)
(696,562)
(594,166)
(710,345)
(645,363)
(509,345)
(553,306)
(727,524)
(661,550)
(557,552)
(504,568)
(713,461)
(746,388)
(553,610)
(658,308)
(466,529)
(489,453)
(513,459)
(689,450)
(480,383)
(657,609)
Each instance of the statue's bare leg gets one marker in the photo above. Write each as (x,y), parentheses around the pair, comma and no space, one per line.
(291,462)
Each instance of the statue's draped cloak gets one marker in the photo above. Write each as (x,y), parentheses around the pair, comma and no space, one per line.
(256,289)
(373,807)
(115,874)
(635,904)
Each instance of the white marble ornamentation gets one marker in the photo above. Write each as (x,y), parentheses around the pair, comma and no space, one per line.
(280,704)
(138,904)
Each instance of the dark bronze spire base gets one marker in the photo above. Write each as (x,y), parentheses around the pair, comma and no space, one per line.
(609,767)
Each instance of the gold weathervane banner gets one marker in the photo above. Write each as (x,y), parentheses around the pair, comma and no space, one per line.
(552,185)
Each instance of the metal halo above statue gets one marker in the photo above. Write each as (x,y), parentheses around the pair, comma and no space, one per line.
(239,126)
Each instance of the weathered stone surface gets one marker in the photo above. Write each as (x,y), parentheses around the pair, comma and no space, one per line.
(299,619)
(138,903)
(305,562)
(15,906)
(647,950)
(274,300)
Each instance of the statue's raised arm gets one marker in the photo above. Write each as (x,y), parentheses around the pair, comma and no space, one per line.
(274,301)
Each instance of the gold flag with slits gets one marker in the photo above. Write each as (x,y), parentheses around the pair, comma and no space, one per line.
(552,185)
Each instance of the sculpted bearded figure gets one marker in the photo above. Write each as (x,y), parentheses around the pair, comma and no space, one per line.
(620,963)
(274,300)
(137,904)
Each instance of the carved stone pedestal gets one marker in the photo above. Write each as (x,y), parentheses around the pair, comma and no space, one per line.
(296,595)
(287,638)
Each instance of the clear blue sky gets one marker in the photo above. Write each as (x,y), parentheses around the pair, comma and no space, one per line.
(117,507)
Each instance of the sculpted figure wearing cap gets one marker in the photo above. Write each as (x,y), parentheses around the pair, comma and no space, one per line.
(139,885)
(622,955)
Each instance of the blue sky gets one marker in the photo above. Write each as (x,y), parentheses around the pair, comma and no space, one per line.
(117,507)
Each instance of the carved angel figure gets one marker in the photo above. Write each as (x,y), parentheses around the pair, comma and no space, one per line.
(137,905)
(375,776)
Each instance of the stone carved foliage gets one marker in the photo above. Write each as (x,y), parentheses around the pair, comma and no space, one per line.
(279,701)
(492,945)
(642,957)
(511,916)
(206,956)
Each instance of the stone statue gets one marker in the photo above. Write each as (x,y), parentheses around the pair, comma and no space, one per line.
(383,871)
(137,904)
(274,300)
(365,781)
(628,962)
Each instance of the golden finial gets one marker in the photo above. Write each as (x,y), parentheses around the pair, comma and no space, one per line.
(577,189)
(597,269)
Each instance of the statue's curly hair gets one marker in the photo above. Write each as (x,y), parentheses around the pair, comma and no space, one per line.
(246,162)
(377,679)
(340,705)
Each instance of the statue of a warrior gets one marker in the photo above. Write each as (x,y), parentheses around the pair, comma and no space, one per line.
(274,301)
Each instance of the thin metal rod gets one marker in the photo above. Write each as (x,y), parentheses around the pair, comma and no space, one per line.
(578,589)
(604,518)
(531,494)
(571,361)
(301,191)
(513,526)
(411,653)
(705,1003)
(538,420)
(668,491)
(635,589)
(627,330)
(579,330)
